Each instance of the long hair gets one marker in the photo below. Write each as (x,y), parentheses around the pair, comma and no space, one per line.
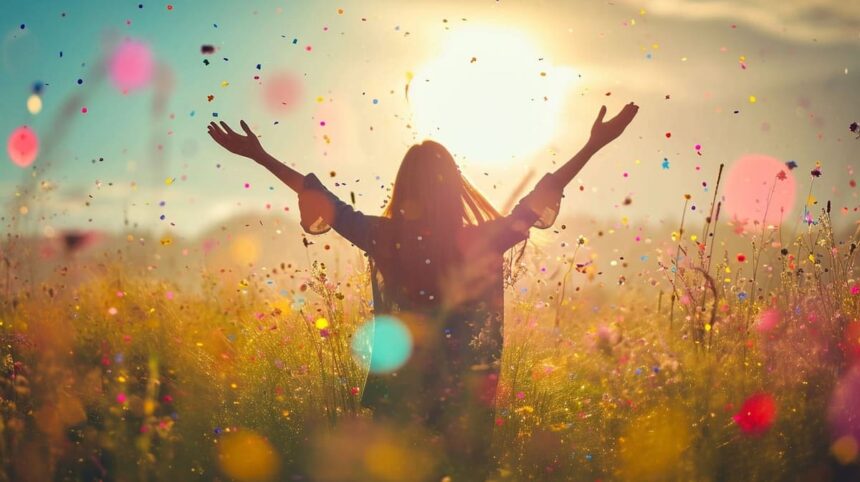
(431,195)
(430,190)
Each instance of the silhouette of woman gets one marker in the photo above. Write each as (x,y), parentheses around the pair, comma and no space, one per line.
(436,257)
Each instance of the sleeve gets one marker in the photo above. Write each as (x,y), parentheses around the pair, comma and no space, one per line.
(321,211)
(538,209)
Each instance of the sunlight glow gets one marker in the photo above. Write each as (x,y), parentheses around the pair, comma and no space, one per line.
(490,96)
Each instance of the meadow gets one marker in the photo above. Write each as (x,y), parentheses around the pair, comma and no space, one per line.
(719,357)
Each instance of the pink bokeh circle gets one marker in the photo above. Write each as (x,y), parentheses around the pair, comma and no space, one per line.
(281,91)
(748,187)
(131,65)
(23,146)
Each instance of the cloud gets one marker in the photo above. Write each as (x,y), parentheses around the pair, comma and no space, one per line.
(825,21)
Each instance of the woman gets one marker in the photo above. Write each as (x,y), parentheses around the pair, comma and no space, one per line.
(436,259)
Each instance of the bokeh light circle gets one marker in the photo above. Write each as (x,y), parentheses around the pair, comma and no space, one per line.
(385,343)
(131,65)
(757,414)
(247,457)
(245,249)
(34,104)
(23,146)
(749,184)
(842,413)
(281,91)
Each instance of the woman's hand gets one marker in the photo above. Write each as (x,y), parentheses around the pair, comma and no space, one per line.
(602,133)
(247,145)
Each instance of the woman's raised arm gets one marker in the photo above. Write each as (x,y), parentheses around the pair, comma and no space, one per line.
(602,133)
(249,146)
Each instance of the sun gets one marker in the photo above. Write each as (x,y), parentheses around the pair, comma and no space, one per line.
(490,96)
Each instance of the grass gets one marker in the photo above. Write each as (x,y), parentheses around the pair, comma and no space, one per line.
(123,375)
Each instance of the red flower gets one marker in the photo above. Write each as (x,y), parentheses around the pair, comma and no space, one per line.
(741,257)
(757,414)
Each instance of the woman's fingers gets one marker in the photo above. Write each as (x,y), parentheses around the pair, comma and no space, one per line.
(601,114)
(227,129)
(217,135)
(246,128)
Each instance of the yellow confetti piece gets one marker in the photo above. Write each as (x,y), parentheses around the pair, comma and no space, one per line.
(320,99)
(752,99)
(166,241)
(169,181)
(224,83)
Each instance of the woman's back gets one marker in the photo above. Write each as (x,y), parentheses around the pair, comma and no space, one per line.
(417,268)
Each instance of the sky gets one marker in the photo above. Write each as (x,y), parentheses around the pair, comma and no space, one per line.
(342,89)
